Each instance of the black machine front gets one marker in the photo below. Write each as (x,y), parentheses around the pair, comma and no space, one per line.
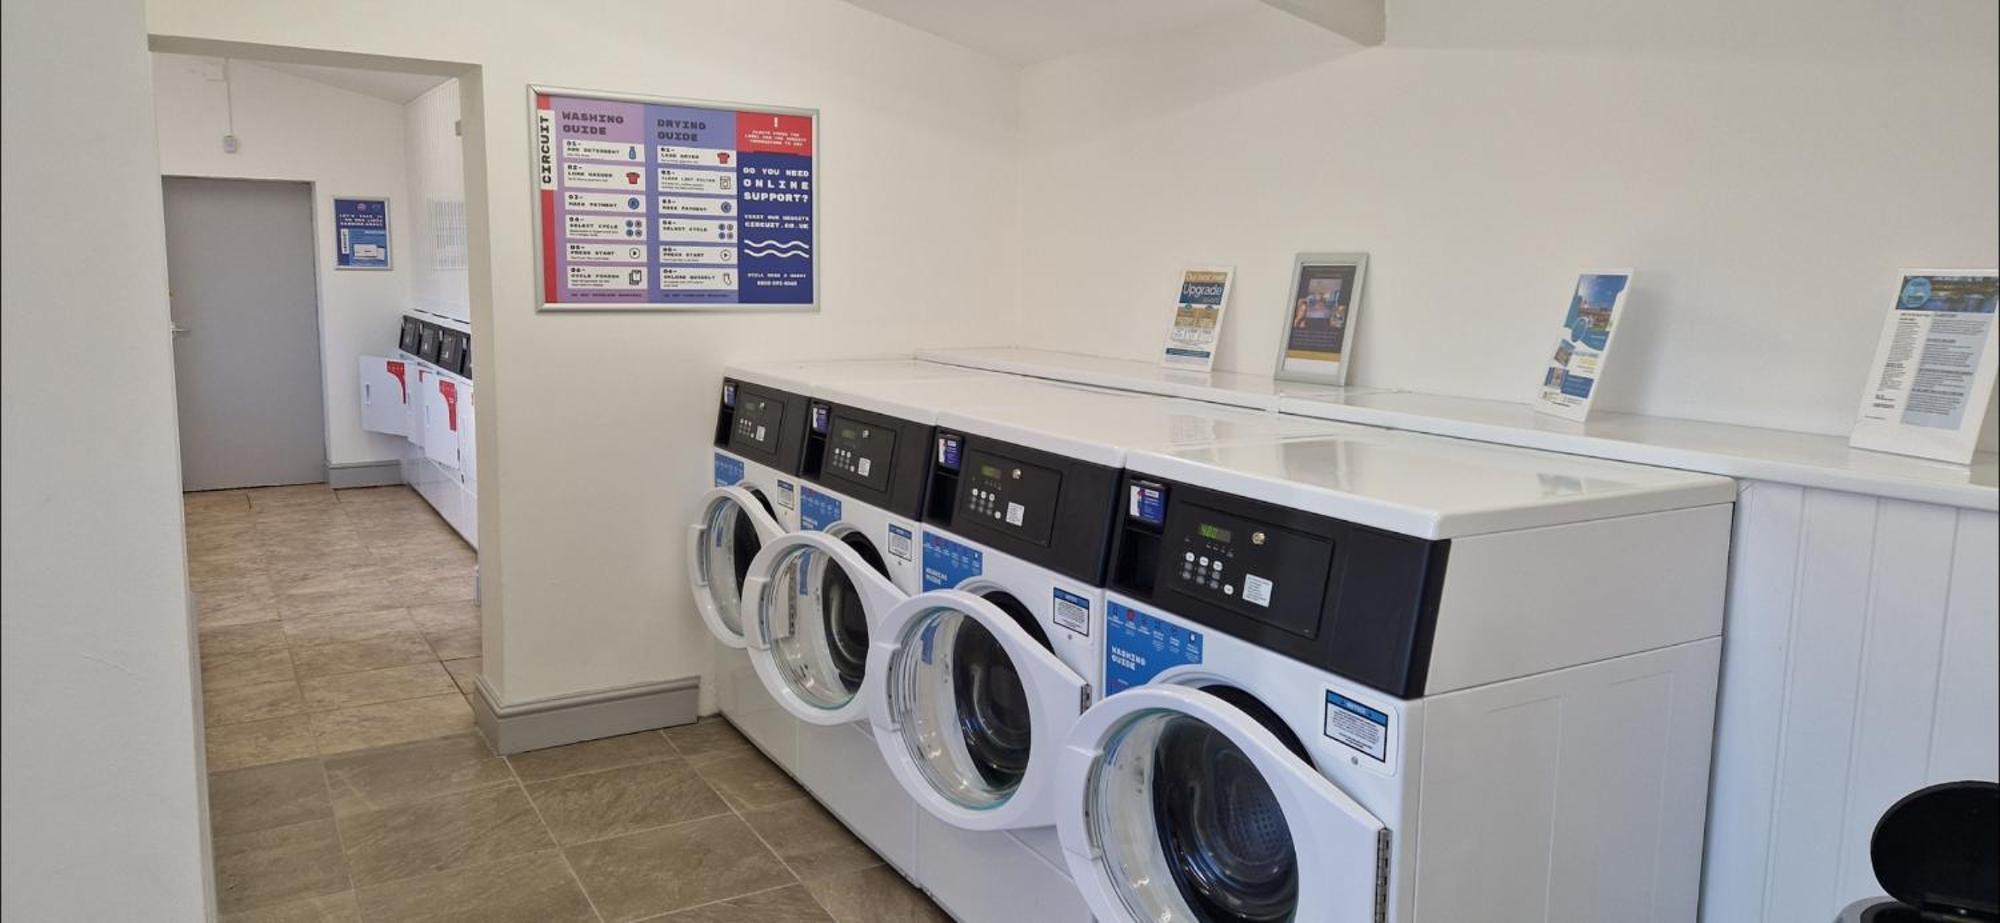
(428,337)
(411,338)
(1354,600)
(764,425)
(451,350)
(1046,509)
(872,457)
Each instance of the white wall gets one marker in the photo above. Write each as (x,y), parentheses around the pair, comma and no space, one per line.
(342,142)
(102,777)
(437,203)
(592,427)
(1766,167)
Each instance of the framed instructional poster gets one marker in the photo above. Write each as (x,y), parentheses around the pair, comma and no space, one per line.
(653,204)
(360,233)
(1318,328)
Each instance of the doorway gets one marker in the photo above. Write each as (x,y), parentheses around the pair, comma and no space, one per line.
(242,294)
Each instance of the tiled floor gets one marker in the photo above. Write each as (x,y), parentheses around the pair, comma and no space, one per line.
(347,781)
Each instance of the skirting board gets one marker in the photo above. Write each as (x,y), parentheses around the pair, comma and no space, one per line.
(364,474)
(567,719)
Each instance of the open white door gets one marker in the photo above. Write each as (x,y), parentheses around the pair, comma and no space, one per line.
(423,380)
(385,395)
(813,604)
(441,421)
(972,710)
(732,526)
(1179,806)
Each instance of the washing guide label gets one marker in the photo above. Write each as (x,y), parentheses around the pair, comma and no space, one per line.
(817,510)
(722,195)
(1072,611)
(1138,647)
(728,470)
(1358,726)
(948,563)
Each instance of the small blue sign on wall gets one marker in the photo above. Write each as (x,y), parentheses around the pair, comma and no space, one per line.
(360,233)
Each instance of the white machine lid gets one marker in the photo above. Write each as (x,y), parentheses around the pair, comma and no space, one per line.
(1239,389)
(1101,426)
(1432,487)
(896,387)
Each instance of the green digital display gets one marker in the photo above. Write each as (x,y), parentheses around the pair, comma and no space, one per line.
(989,471)
(1213,533)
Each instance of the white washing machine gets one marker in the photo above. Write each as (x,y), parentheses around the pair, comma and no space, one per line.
(1397,677)
(982,674)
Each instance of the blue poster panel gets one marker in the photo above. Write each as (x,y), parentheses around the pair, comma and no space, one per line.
(360,233)
(656,205)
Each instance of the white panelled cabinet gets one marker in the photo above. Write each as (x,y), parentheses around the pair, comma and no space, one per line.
(385,395)
(432,408)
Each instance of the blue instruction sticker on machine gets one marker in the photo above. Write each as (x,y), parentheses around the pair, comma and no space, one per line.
(817,510)
(948,564)
(1138,647)
(728,470)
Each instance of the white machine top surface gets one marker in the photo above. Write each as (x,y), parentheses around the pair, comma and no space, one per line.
(1258,392)
(1430,486)
(1101,426)
(897,387)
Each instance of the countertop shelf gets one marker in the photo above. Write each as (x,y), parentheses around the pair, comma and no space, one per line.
(1748,452)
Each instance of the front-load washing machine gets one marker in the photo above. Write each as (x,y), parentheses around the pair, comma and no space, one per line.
(759,443)
(1398,677)
(982,674)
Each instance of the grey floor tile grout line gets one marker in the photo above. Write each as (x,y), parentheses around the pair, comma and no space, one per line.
(725,900)
(561,850)
(346,868)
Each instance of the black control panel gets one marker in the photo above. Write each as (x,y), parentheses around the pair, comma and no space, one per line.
(411,338)
(764,425)
(451,349)
(1044,508)
(429,335)
(875,458)
(1354,600)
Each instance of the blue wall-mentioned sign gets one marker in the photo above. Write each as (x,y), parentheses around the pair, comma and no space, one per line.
(360,233)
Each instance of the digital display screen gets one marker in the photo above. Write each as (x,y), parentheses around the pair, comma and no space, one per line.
(990,471)
(1213,533)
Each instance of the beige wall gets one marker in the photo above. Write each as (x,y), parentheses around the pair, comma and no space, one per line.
(592,427)
(103,794)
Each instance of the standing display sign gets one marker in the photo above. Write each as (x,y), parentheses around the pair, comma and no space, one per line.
(658,204)
(1934,367)
(1319,317)
(1570,382)
(360,233)
(1197,325)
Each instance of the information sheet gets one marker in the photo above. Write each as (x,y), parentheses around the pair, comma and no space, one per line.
(1204,295)
(665,205)
(1934,366)
(360,233)
(1576,366)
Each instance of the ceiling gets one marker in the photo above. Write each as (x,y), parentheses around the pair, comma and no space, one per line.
(1031,31)
(390,85)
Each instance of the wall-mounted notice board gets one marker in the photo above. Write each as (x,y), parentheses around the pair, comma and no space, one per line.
(659,204)
(360,233)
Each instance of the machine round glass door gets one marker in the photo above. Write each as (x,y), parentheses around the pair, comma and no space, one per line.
(972,708)
(734,523)
(1180,805)
(814,599)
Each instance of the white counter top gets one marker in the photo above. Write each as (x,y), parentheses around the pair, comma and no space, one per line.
(1749,452)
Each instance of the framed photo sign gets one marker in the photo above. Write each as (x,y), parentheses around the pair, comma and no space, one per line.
(1318,330)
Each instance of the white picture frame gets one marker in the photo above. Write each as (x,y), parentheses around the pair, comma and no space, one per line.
(1315,337)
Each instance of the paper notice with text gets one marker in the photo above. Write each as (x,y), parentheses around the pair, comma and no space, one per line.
(1934,366)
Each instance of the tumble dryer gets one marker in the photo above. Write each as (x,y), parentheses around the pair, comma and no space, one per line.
(983,672)
(1386,676)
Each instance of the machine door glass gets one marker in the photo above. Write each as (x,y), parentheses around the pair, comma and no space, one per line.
(734,524)
(973,707)
(815,599)
(1184,804)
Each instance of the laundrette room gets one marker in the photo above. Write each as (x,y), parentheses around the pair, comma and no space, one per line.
(1227,461)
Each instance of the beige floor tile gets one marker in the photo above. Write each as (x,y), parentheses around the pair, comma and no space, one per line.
(255,743)
(220,564)
(386,777)
(392,496)
(262,797)
(874,895)
(257,702)
(248,600)
(810,841)
(708,740)
(331,908)
(347,627)
(278,865)
(346,690)
(367,726)
(535,888)
(242,639)
(291,546)
(393,650)
(749,781)
(789,904)
(455,645)
(217,501)
(289,495)
(277,531)
(465,672)
(449,831)
(361,595)
(319,571)
(222,671)
(449,616)
(628,799)
(673,868)
(591,756)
